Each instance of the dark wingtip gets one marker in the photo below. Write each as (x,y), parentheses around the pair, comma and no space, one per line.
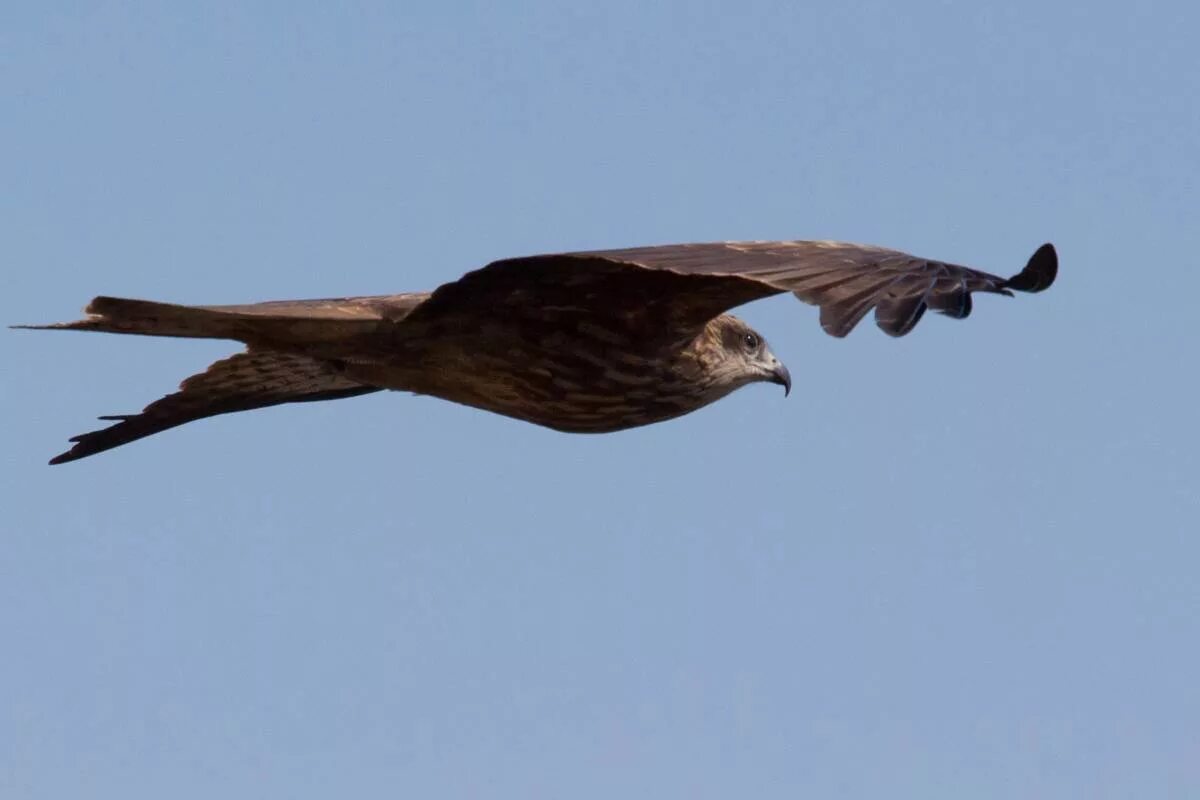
(83,445)
(77,451)
(92,442)
(1039,273)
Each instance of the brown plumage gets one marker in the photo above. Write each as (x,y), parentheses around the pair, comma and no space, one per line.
(581,342)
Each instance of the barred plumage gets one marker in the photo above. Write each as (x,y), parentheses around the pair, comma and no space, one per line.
(581,342)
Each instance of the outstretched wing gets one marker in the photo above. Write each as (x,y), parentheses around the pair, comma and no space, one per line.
(277,322)
(682,286)
(253,379)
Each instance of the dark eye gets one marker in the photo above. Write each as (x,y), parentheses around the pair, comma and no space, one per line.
(751,341)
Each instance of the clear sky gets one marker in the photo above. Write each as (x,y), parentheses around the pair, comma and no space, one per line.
(962,564)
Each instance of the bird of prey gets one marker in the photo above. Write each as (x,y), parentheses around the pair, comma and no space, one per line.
(585,342)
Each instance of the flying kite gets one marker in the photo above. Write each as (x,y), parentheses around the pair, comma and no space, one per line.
(586,342)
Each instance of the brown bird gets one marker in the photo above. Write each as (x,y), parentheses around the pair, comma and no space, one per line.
(585,342)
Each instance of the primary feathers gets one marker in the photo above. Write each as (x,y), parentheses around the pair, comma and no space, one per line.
(581,342)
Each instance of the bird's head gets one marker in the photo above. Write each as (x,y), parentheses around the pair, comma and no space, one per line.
(734,354)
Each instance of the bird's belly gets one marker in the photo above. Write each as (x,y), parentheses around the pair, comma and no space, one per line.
(572,402)
(565,384)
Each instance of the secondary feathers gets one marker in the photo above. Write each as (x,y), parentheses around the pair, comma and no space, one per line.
(589,342)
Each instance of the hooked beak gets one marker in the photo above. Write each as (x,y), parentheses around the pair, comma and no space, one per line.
(780,375)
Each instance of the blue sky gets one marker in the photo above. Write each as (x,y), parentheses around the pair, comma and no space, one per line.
(959,564)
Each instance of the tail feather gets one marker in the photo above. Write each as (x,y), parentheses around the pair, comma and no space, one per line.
(253,379)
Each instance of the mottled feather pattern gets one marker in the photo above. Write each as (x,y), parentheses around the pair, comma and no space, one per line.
(583,342)
(239,383)
(845,280)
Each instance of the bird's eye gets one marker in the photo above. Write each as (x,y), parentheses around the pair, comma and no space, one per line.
(751,341)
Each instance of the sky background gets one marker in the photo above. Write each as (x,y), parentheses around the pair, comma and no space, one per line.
(959,564)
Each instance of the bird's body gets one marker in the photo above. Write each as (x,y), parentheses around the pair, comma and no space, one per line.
(573,378)
(582,343)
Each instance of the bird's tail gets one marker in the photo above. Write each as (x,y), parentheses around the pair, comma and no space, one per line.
(300,322)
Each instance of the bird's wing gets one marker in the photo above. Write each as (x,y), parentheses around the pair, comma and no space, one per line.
(685,285)
(253,379)
(280,322)
(374,307)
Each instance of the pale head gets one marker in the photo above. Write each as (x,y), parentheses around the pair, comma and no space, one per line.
(732,355)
